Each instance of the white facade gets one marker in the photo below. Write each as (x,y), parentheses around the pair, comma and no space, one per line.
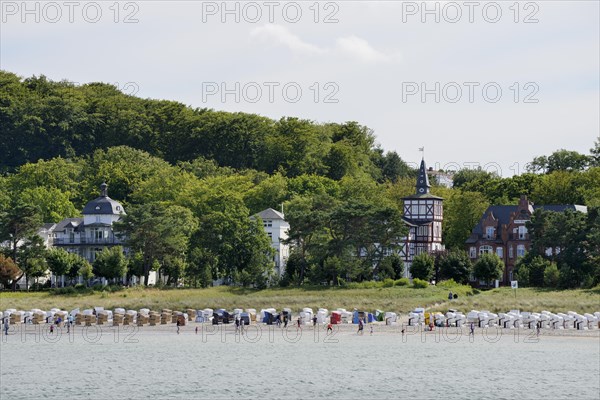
(277,228)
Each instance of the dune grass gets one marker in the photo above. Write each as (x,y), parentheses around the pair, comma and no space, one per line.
(397,299)
(529,299)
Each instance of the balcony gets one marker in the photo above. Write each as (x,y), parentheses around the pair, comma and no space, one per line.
(84,241)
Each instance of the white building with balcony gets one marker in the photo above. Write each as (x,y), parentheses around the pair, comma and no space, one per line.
(89,235)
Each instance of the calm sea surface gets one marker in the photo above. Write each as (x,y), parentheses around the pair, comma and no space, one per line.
(266,364)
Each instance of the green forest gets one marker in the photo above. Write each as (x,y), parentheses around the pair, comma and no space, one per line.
(190,178)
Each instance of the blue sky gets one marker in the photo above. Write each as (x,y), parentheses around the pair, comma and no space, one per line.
(364,58)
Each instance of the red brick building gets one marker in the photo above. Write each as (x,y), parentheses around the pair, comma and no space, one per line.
(502,230)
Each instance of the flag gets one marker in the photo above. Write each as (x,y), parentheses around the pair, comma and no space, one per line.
(421,148)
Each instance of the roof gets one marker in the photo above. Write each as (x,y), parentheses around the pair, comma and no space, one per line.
(502,214)
(424,196)
(48,226)
(269,213)
(68,223)
(103,205)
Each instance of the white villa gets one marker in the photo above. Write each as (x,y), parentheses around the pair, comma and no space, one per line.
(89,235)
(277,228)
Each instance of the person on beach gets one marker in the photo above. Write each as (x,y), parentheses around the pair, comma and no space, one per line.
(360,327)
(329,328)
(285,321)
(402,332)
(472,332)
(450,296)
(371,332)
(196,330)
(178,325)
(299,322)
(237,324)
(6,327)
(314,321)
(538,328)
(242,326)
(51,328)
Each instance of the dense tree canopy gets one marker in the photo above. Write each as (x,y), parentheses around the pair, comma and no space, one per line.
(191,178)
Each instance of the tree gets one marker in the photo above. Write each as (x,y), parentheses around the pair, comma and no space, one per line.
(595,154)
(157,231)
(20,221)
(32,258)
(83,267)
(471,179)
(391,266)
(488,268)
(9,272)
(201,264)
(59,262)
(551,275)
(422,266)
(456,265)
(111,263)
(462,211)
(560,160)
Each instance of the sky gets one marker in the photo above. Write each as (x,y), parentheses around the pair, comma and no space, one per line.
(478,84)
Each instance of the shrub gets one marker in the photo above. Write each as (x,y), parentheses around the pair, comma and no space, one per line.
(387,283)
(422,266)
(419,283)
(401,282)
(551,275)
(448,284)
(65,290)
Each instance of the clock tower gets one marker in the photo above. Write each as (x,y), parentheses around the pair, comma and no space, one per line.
(423,213)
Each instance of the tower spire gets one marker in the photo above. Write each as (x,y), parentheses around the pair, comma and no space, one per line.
(423,180)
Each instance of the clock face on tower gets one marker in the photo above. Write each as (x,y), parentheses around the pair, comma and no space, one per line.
(421,190)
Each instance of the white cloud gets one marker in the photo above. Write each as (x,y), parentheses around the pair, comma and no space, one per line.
(353,47)
(283,36)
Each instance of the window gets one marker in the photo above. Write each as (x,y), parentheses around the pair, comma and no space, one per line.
(500,251)
(423,231)
(490,232)
(473,252)
(270,234)
(520,250)
(549,251)
(268,223)
(485,249)
(522,232)
(511,252)
(97,218)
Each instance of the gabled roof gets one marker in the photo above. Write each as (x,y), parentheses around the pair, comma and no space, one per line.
(502,214)
(269,213)
(68,223)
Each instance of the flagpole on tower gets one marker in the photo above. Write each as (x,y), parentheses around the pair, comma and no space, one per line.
(422,150)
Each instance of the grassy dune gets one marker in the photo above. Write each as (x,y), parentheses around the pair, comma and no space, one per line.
(398,299)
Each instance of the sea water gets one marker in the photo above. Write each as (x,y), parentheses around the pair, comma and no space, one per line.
(272,363)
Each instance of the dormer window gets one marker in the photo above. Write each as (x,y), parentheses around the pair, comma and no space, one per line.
(97,207)
(490,232)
